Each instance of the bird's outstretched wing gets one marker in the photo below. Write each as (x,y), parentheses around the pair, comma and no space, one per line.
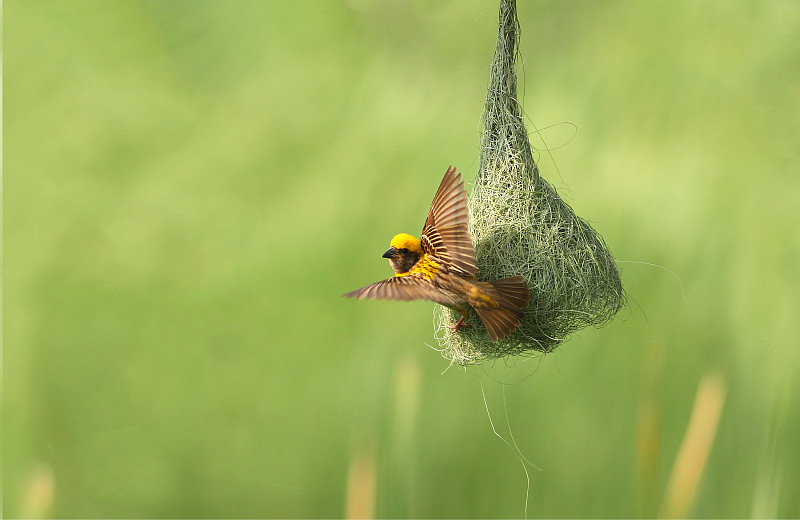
(445,235)
(401,288)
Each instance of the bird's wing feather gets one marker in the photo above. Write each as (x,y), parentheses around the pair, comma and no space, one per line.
(401,288)
(445,234)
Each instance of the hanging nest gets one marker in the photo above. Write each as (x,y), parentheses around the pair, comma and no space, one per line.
(520,225)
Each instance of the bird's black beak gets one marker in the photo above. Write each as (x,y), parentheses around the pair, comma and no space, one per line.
(390,253)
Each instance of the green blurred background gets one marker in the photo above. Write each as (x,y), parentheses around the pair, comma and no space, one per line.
(191,185)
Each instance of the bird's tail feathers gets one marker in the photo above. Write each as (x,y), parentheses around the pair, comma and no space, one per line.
(512,295)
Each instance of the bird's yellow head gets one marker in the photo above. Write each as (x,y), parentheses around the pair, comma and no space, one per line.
(403,252)
(406,241)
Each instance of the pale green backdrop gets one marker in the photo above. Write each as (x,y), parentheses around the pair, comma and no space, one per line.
(190,186)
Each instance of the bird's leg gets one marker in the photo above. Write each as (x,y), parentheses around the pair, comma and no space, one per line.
(460,325)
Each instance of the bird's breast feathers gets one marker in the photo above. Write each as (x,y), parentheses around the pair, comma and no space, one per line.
(426,267)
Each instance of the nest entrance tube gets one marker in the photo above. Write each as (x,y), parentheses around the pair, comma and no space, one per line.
(521,226)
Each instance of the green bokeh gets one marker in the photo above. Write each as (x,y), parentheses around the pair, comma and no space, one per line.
(190,187)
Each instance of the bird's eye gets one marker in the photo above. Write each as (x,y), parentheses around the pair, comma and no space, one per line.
(403,250)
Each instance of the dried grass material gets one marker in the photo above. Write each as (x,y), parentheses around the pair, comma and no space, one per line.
(520,225)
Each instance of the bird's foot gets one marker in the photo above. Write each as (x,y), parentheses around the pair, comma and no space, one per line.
(459,325)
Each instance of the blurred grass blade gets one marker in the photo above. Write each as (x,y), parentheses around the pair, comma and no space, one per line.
(361,482)
(684,480)
(37,499)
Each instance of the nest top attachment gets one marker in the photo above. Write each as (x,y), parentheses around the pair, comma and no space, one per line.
(521,226)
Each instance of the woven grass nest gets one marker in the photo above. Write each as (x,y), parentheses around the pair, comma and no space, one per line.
(520,225)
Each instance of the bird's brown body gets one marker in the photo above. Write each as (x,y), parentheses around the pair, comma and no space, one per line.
(441,267)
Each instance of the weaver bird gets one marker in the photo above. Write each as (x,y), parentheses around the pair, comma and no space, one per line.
(440,266)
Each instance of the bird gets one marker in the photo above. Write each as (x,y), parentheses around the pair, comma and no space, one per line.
(440,266)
